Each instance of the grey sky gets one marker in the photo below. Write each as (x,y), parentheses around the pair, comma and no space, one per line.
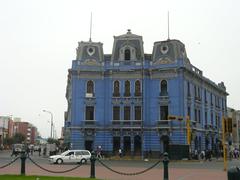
(38,41)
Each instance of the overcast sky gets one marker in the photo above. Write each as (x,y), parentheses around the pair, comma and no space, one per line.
(38,41)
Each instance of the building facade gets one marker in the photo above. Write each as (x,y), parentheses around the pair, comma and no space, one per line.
(234,121)
(139,102)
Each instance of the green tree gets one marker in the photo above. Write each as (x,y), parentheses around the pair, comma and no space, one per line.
(19,138)
(8,141)
(52,141)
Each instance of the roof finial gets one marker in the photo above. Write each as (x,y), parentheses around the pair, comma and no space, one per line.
(90,39)
(129,31)
(168,27)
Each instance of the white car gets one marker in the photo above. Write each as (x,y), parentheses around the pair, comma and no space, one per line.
(71,156)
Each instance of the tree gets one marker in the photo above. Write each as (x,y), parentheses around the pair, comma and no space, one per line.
(19,138)
(8,141)
(52,141)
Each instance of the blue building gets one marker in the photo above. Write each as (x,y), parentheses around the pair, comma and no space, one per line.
(140,102)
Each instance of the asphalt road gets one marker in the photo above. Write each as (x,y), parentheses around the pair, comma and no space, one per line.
(179,170)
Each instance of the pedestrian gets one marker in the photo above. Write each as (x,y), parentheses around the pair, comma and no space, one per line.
(202,155)
(39,151)
(27,150)
(31,150)
(120,152)
(99,152)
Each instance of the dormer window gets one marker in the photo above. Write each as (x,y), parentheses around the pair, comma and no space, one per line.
(127,54)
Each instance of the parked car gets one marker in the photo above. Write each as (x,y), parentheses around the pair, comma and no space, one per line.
(71,156)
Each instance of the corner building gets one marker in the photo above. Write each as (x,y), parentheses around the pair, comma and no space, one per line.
(124,100)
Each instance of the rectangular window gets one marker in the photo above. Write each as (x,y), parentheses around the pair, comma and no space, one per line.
(127,113)
(205,96)
(189,112)
(89,113)
(195,91)
(138,112)
(195,115)
(211,118)
(116,113)
(211,98)
(188,89)
(164,112)
(206,118)
(199,116)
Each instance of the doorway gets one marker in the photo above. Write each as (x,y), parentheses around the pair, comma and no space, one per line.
(116,145)
(127,145)
(137,145)
(89,145)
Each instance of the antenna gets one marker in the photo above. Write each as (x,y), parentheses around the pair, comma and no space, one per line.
(168,26)
(90,39)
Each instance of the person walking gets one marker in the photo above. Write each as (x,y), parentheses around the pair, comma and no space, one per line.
(120,152)
(39,151)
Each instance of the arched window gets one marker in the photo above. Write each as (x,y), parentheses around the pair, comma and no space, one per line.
(90,87)
(164,91)
(127,89)
(127,54)
(116,92)
(137,88)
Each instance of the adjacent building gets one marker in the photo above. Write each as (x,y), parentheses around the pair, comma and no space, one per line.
(9,126)
(233,126)
(139,102)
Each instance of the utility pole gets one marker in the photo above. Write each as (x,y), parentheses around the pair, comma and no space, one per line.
(188,131)
(223,144)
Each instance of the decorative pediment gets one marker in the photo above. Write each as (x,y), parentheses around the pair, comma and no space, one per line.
(163,60)
(91,62)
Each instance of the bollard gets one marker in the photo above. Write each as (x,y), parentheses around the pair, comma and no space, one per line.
(165,166)
(23,159)
(92,159)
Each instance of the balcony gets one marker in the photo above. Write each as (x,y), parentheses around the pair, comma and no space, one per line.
(127,123)
(127,94)
(164,124)
(137,94)
(89,95)
(116,95)
(86,124)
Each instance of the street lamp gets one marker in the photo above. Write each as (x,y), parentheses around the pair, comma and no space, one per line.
(51,121)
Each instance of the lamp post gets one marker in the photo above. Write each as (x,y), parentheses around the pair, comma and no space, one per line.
(51,121)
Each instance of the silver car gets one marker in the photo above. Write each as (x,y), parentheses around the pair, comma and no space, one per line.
(71,156)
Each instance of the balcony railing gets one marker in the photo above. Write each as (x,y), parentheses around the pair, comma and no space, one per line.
(164,123)
(127,94)
(116,94)
(89,122)
(130,123)
(137,94)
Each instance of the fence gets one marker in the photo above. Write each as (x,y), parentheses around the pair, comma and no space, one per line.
(93,159)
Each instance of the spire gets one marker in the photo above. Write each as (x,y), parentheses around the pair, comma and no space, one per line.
(90,39)
(168,27)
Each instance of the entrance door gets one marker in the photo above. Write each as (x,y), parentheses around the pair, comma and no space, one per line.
(165,143)
(116,145)
(137,145)
(89,145)
(127,145)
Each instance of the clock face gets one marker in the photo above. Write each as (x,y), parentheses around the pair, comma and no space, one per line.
(90,50)
(164,49)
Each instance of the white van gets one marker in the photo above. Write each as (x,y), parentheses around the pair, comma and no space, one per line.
(71,156)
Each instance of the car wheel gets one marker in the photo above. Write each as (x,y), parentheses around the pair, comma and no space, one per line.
(83,161)
(59,161)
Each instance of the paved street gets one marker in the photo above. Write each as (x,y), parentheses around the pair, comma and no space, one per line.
(178,170)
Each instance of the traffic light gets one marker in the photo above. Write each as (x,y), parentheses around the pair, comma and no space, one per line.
(225,124)
(171,117)
(229,122)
